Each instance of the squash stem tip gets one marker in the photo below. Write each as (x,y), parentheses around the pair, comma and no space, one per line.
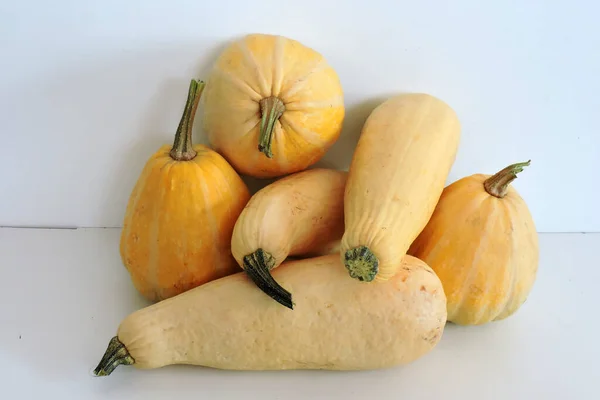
(497,185)
(115,355)
(271,109)
(183,149)
(257,266)
(361,263)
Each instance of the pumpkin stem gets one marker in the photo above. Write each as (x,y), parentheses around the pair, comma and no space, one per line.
(497,185)
(271,109)
(115,355)
(182,145)
(257,266)
(361,263)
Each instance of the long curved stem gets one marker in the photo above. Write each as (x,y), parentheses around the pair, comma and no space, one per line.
(115,355)
(257,266)
(361,263)
(272,109)
(183,149)
(497,185)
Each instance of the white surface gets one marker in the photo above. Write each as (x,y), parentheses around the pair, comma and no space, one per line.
(88,90)
(64,292)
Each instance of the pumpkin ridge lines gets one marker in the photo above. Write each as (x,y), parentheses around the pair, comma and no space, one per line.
(239,83)
(278,61)
(336,101)
(152,275)
(480,248)
(508,211)
(308,135)
(299,84)
(254,66)
(210,219)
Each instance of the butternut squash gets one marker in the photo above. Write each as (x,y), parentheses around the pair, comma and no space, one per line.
(180,215)
(272,106)
(482,243)
(404,154)
(299,215)
(339,323)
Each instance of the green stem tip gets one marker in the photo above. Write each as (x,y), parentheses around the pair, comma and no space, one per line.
(497,185)
(271,108)
(115,355)
(183,149)
(361,263)
(257,266)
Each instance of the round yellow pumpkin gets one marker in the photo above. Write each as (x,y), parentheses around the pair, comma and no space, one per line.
(272,106)
(180,216)
(482,243)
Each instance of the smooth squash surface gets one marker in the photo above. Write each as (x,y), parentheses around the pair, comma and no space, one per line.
(299,215)
(272,106)
(406,149)
(338,324)
(482,243)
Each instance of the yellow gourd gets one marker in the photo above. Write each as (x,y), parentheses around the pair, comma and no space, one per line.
(299,215)
(272,105)
(338,324)
(405,151)
(180,215)
(482,243)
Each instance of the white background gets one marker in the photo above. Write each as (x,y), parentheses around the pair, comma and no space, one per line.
(88,90)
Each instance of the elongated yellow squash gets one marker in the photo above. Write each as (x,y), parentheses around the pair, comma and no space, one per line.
(299,215)
(338,324)
(406,149)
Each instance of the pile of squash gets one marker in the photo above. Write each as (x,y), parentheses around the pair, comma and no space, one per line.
(321,269)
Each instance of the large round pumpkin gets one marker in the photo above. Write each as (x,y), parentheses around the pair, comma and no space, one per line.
(272,106)
(482,243)
(180,216)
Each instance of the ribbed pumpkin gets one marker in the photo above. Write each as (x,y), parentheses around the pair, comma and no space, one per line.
(272,106)
(482,243)
(180,216)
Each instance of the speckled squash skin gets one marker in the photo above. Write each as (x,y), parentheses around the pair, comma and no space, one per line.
(484,249)
(292,86)
(338,323)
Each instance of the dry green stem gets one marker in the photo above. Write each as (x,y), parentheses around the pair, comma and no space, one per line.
(497,185)
(183,149)
(115,355)
(272,109)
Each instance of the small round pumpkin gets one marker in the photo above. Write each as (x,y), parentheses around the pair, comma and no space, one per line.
(180,216)
(272,106)
(482,243)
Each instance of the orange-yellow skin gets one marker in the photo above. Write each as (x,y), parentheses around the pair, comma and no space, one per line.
(260,66)
(179,221)
(484,250)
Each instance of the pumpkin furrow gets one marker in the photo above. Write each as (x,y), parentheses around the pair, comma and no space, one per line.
(255,67)
(509,215)
(336,101)
(211,221)
(482,240)
(278,60)
(307,135)
(159,205)
(299,84)
(238,83)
